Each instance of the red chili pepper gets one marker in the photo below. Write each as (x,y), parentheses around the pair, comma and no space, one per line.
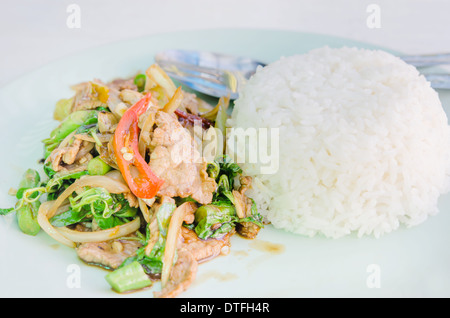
(142,182)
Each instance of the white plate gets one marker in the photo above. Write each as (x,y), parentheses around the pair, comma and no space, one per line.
(411,262)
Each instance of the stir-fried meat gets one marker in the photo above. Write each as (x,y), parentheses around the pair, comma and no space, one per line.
(189,103)
(204,250)
(107,122)
(176,160)
(132,199)
(69,153)
(191,251)
(106,152)
(247,229)
(121,94)
(121,84)
(109,254)
(71,156)
(181,277)
(130,96)
(243,206)
(89,95)
(246,183)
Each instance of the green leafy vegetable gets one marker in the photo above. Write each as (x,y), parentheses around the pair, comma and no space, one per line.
(223,170)
(213,169)
(68,217)
(72,122)
(48,170)
(215,220)
(6,211)
(153,262)
(220,217)
(96,204)
(59,182)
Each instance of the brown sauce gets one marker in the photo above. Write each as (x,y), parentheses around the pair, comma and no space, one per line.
(220,276)
(268,247)
(55,246)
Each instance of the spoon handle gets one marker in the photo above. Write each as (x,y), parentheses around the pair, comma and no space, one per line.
(439,81)
(427,60)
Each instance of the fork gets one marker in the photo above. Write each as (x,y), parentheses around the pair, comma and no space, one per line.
(217,75)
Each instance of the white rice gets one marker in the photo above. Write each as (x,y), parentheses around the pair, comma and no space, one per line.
(364,142)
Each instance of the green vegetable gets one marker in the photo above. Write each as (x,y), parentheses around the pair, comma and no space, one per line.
(59,182)
(96,204)
(98,200)
(97,166)
(6,211)
(126,211)
(254,217)
(213,169)
(129,277)
(59,178)
(139,81)
(220,217)
(68,217)
(48,170)
(227,171)
(30,179)
(215,220)
(29,192)
(70,124)
(28,206)
(103,109)
(27,218)
(153,262)
(228,167)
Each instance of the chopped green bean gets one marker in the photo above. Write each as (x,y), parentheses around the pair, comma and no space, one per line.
(98,167)
(27,218)
(129,277)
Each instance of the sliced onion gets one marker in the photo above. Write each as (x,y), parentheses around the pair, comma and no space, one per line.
(44,223)
(157,75)
(172,238)
(144,136)
(144,209)
(174,102)
(116,175)
(68,237)
(100,236)
(111,185)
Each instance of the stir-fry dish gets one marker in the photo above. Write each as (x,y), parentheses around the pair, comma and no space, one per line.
(124,183)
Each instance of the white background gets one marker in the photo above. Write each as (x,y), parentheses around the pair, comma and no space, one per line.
(35,32)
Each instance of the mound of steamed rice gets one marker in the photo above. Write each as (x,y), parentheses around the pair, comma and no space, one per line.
(364,143)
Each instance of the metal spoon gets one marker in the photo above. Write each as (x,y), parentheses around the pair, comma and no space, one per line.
(210,73)
(218,75)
